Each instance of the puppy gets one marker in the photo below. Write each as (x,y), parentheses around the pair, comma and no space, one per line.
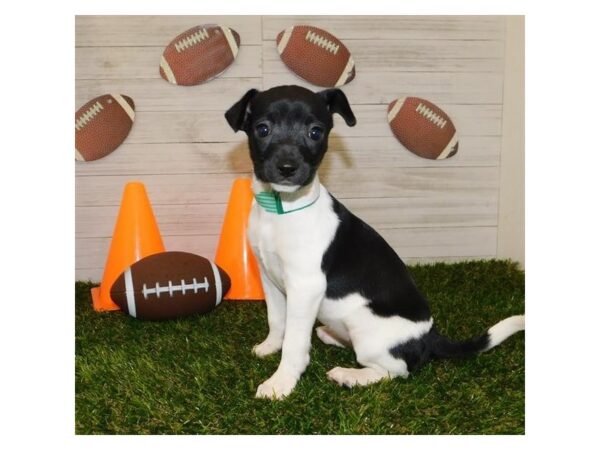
(319,261)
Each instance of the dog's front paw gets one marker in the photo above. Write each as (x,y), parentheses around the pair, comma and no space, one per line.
(267,347)
(277,387)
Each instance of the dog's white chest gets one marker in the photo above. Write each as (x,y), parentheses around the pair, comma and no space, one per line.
(263,242)
(292,245)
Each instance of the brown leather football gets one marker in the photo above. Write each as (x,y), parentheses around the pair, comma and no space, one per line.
(423,128)
(199,54)
(169,285)
(316,55)
(101,125)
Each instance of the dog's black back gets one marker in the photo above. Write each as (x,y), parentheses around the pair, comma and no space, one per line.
(360,260)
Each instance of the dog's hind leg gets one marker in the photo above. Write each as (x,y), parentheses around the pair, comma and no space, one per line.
(376,369)
(378,364)
(327,336)
(345,376)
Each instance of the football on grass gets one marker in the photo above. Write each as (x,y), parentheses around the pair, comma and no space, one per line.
(199,54)
(169,285)
(101,125)
(423,128)
(316,55)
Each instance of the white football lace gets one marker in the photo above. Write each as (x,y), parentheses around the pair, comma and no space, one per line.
(431,116)
(189,41)
(322,42)
(182,287)
(92,112)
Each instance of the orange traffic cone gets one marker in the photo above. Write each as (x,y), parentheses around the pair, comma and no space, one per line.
(136,236)
(234,253)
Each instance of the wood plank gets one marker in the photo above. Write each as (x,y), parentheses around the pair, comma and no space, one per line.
(479,210)
(427,260)
(110,31)
(161,189)
(172,220)
(98,63)
(438,87)
(155,127)
(155,94)
(165,127)
(95,274)
(394,27)
(438,183)
(511,210)
(407,55)
(411,243)
(89,275)
(388,213)
(170,158)
(91,253)
(348,153)
(435,242)
(368,88)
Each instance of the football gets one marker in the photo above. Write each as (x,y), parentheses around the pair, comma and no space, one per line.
(199,54)
(423,128)
(316,56)
(169,285)
(101,125)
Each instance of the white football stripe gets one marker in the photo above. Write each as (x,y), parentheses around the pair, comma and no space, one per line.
(121,101)
(217,283)
(167,70)
(394,111)
(231,41)
(284,40)
(346,72)
(448,148)
(130,293)
(79,156)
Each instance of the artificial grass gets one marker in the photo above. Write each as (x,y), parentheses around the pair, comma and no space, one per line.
(197,375)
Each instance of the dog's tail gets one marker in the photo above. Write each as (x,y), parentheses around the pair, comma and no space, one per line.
(442,347)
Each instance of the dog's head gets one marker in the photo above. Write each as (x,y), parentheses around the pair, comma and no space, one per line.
(288,128)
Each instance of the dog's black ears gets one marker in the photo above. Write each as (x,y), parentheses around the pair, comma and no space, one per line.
(338,103)
(236,115)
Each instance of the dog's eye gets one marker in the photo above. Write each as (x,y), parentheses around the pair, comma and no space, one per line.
(315,133)
(263,130)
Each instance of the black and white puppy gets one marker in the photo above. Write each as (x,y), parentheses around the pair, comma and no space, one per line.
(319,261)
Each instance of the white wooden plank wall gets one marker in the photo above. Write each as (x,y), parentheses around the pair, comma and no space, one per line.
(182,149)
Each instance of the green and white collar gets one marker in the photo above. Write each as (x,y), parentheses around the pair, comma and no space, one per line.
(286,202)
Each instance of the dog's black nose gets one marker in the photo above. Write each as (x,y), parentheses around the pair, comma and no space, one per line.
(287,169)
